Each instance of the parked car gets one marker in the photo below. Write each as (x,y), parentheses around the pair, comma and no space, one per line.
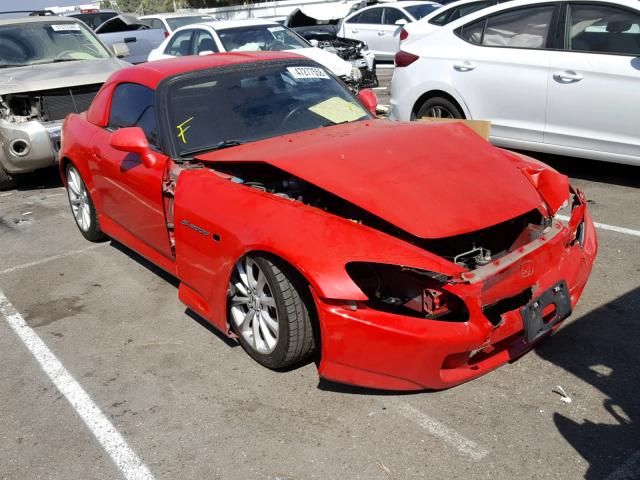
(443,16)
(379,26)
(545,87)
(93,17)
(168,22)
(251,35)
(49,67)
(138,37)
(298,224)
(319,24)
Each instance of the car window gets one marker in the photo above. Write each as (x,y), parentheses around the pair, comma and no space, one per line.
(420,11)
(132,106)
(519,28)
(260,37)
(603,29)
(177,22)
(180,44)
(204,42)
(157,24)
(464,10)
(371,16)
(392,15)
(442,18)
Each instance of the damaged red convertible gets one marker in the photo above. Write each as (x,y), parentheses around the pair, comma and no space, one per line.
(402,256)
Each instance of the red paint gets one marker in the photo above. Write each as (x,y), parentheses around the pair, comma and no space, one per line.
(458,184)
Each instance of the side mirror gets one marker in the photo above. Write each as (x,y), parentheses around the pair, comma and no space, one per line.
(206,52)
(402,22)
(120,50)
(369,99)
(133,140)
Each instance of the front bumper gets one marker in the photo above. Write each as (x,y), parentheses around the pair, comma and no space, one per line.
(27,146)
(367,347)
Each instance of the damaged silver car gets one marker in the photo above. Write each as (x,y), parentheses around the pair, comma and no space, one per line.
(49,67)
(319,24)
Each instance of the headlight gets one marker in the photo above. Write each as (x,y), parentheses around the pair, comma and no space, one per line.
(407,291)
(355,75)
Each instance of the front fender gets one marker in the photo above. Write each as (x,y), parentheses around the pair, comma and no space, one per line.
(232,219)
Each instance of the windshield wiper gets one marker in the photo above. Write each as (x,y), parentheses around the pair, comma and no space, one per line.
(10,65)
(218,146)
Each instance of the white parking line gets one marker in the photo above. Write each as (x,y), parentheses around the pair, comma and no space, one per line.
(629,470)
(50,259)
(604,226)
(112,442)
(440,430)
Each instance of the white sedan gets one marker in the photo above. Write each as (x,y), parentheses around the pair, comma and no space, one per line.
(379,26)
(249,35)
(559,77)
(168,22)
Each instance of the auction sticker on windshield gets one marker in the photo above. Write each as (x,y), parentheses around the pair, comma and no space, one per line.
(338,110)
(307,72)
(60,27)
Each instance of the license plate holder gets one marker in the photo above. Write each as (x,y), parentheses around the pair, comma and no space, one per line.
(535,325)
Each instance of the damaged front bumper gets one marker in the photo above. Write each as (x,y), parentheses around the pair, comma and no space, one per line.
(27,146)
(513,302)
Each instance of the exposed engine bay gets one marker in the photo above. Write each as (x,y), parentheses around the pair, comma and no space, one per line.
(46,106)
(470,250)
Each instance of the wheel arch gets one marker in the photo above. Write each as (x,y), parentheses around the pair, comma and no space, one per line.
(444,94)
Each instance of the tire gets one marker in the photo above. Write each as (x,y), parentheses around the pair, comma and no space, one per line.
(82,208)
(7,181)
(267,286)
(439,107)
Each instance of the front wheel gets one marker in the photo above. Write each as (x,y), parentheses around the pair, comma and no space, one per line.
(84,212)
(270,310)
(438,107)
(7,180)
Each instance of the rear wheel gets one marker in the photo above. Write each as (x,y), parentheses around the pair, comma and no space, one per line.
(82,206)
(270,310)
(439,107)
(7,180)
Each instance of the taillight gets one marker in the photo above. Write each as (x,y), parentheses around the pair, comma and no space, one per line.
(404,59)
(166,34)
(403,34)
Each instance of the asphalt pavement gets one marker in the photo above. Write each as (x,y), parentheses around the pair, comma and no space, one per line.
(186,403)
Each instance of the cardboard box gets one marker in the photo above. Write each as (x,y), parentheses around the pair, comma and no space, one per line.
(481,127)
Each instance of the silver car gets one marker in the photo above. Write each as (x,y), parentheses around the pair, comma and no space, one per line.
(49,67)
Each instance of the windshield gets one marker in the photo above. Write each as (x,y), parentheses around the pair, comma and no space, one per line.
(177,22)
(222,109)
(36,43)
(260,37)
(419,11)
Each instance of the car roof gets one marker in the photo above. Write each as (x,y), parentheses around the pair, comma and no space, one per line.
(176,14)
(39,19)
(150,74)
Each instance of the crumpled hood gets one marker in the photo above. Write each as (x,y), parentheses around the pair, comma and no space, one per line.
(50,76)
(431,180)
(331,61)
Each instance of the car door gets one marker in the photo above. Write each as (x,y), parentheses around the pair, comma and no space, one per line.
(501,71)
(393,20)
(131,193)
(364,26)
(594,94)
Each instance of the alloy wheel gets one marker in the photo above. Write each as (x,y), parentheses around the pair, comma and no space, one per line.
(79,199)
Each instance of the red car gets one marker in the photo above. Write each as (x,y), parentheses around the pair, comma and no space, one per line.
(405,256)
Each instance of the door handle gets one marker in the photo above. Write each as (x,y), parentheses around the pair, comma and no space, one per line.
(130,39)
(354,30)
(381,32)
(568,76)
(464,66)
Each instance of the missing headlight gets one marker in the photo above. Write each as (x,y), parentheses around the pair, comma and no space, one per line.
(407,291)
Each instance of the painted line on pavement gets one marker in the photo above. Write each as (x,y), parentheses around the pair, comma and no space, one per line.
(604,226)
(442,431)
(50,259)
(112,442)
(629,470)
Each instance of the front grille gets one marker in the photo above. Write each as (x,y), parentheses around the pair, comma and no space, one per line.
(57,104)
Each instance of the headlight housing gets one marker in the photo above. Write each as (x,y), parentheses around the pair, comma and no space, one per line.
(407,291)
(355,74)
